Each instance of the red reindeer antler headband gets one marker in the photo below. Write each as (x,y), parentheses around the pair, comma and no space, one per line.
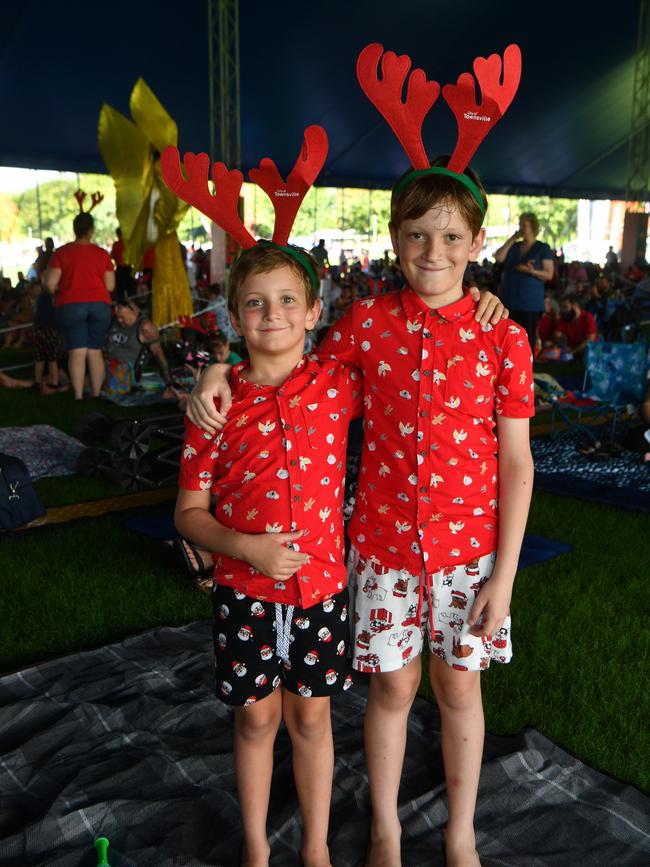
(95,199)
(498,81)
(221,208)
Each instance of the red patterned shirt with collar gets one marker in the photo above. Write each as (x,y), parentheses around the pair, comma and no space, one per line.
(433,382)
(279,466)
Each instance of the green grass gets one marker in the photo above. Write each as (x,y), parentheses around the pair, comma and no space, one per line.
(85,584)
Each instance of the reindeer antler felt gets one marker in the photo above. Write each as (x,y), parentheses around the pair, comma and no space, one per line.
(95,199)
(475,121)
(222,207)
(287,196)
(405,117)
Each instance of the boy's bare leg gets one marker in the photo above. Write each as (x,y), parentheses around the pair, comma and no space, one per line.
(458,694)
(39,367)
(309,723)
(255,729)
(390,698)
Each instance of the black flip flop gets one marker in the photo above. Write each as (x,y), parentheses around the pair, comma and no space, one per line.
(201,570)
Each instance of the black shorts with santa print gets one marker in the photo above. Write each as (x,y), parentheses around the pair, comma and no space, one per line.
(259,646)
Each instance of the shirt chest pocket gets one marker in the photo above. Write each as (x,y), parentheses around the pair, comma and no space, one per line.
(324,425)
(470,383)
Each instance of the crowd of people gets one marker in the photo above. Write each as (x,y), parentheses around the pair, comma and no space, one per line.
(101,336)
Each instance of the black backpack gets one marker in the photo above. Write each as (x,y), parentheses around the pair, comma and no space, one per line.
(19,503)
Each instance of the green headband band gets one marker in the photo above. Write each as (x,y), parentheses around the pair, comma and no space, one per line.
(439,170)
(296,254)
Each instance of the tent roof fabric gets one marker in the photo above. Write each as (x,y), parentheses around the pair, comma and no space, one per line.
(566,133)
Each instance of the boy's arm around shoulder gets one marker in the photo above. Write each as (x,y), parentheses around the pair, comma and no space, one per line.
(211,398)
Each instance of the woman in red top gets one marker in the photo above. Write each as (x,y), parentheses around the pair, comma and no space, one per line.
(81,277)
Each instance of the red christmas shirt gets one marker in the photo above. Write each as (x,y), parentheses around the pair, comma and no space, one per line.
(278,466)
(580,329)
(82,273)
(433,381)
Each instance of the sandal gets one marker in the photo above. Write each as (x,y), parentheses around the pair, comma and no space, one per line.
(195,566)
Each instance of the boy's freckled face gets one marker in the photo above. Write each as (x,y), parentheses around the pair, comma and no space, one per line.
(272,312)
(434,250)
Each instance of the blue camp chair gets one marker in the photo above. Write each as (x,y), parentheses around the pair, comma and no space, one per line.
(615,376)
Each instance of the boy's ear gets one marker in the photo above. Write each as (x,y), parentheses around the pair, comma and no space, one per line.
(234,321)
(477,245)
(393,238)
(313,315)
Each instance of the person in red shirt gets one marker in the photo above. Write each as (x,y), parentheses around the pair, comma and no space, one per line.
(280,595)
(575,327)
(81,277)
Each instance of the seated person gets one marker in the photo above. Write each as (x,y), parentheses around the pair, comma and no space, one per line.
(576,326)
(131,337)
(22,317)
(220,349)
(545,347)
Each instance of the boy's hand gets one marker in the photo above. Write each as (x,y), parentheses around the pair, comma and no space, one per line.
(269,554)
(490,608)
(201,410)
(490,310)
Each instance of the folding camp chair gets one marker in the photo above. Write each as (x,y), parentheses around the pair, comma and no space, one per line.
(615,376)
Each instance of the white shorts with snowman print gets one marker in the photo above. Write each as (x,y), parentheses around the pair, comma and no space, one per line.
(384,605)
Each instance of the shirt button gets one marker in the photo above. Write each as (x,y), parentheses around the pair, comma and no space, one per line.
(296,498)
(423,525)
(293,462)
(424,413)
(423,454)
(287,426)
(423,489)
(426,373)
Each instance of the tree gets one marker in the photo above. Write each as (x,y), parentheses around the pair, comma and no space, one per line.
(58,208)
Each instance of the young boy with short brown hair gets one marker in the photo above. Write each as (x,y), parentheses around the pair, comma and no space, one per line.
(280,586)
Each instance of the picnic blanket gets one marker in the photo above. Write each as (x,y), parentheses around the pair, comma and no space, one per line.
(129,742)
(621,480)
(45,450)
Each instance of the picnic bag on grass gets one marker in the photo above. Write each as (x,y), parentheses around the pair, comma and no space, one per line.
(19,503)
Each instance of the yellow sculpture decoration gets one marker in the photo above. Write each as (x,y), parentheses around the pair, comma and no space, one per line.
(147,211)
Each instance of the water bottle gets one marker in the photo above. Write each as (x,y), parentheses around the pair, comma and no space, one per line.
(101,844)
